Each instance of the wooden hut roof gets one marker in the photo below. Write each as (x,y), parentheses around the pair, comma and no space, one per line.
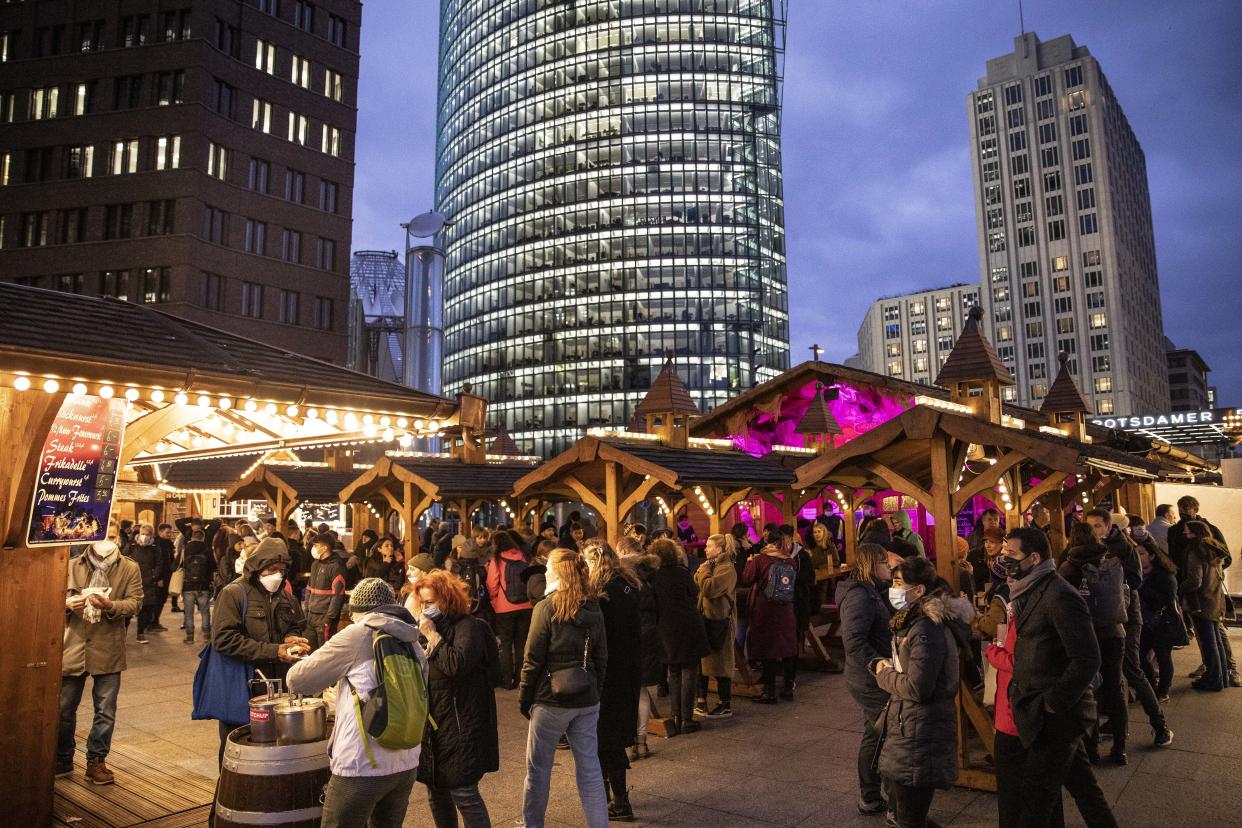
(440,479)
(973,358)
(503,444)
(1064,396)
(818,419)
(668,394)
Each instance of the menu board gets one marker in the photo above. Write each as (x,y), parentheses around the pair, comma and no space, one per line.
(77,472)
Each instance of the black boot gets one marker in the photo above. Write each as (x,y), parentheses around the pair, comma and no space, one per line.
(620,810)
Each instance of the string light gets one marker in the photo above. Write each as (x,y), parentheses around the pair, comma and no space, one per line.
(22,383)
(131,394)
(312,413)
(157,396)
(225,403)
(270,409)
(385,421)
(251,406)
(79,389)
(181,398)
(330,417)
(419,425)
(402,422)
(51,386)
(367,419)
(204,401)
(405,441)
(388,435)
(106,391)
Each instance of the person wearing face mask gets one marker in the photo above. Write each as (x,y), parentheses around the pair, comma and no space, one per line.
(863,604)
(325,592)
(268,633)
(94,646)
(463,667)
(146,553)
(1055,659)
(919,750)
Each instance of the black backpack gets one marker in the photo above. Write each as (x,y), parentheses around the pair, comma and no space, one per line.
(198,570)
(476,583)
(515,584)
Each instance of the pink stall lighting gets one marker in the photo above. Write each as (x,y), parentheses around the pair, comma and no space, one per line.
(857,409)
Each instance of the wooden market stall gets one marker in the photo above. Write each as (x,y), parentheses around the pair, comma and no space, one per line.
(188,391)
(285,487)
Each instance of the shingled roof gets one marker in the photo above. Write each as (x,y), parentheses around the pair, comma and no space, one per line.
(668,395)
(708,467)
(1064,396)
(453,479)
(313,483)
(818,419)
(503,444)
(973,359)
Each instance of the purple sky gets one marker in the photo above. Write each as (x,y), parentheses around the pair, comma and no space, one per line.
(877,175)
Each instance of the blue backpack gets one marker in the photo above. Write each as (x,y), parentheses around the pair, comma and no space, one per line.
(779,588)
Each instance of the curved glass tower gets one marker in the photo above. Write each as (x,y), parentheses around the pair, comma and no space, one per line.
(611,170)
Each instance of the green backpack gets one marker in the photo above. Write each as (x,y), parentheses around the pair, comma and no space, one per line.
(398,711)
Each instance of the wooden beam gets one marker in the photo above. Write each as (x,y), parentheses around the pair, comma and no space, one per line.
(899,481)
(637,496)
(148,430)
(986,479)
(1051,483)
(611,515)
(584,493)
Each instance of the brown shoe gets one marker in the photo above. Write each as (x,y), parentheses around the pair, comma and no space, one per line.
(97,773)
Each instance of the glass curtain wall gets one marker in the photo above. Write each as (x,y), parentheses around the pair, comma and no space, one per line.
(611,170)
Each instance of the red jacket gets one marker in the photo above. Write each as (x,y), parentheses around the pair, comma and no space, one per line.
(1002,659)
(496,581)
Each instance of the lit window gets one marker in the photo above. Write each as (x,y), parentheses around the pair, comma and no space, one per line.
(168,152)
(1060,263)
(265,56)
(1104,406)
(1103,385)
(124,157)
(301,71)
(1099,320)
(333,84)
(331,141)
(262,116)
(217,161)
(297,128)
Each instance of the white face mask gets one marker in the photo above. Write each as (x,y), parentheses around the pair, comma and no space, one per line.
(271,582)
(897,597)
(238,565)
(551,583)
(145,540)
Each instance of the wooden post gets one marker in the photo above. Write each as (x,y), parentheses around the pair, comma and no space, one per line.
(409,542)
(942,508)
(1055,502)
(612,504)
(850,529)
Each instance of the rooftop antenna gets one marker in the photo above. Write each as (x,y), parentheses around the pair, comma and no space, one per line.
(1026,49)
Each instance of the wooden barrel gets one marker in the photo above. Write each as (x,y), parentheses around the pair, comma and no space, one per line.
(271,785)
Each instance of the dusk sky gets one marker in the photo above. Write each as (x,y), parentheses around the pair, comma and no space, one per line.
(877,172)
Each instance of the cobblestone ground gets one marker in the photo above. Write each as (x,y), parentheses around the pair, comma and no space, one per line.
(790,765)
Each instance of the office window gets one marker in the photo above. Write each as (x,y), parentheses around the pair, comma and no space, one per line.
(215,225)
(1101,363)
(265,56)
(48,40)
(261,116)
(1099,342)
(1043,86)
(1019,164)
(1081,149)
(1086,199)
(1049,157)
(1087,224)
(1060,263)
(920,346)
(944,323)
(1091,258)
(300,71)
(256,237)
(1035,350)
(79,162)
(1017,141)
(1098,320)
(134,29)
(6,164)
(1078,125)
(1030,290)
(44,103)
(8,107)
(1083,174)
(170,88)
(8,44)
(1104,406)
(217,161)
(118,221)
(324,312)
(175,25)
(291,246)
(1037,370)
(1047,133)
(1034,330)
(944,344)
(260,173)
(38,166)
(1026,236)
(991,171)
(327,196)
(287,307)
(1032,310)
(304,15)
(1054,205)
(1093,278)
(1022,188)
(114,284)
(1013,94)
(252,300)
(325,258)
(1015,118)
(894,368)
(1052,182)
(124,157)
(331,141)
(1039,389)
(336,30)
(213,291)
(295,186)
(227,39)
(297,128)
(1028,270)
(1095,299)
(1073,77)
(996,241)
(168,152)
(271,7)
(918,327)
(1056,230)
(1000,293)
(1045,109)
(127,92)
(333,84)
(72,226)
(920,364)
(33,230)
(156,284)
(224,99)
(996,218)
(91,35)
(70,283)
(893,349)
(1065,325)
(161,217)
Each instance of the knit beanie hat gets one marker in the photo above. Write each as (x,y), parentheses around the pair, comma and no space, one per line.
(369,594)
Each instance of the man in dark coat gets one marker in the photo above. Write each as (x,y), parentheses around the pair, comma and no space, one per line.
(1056,658)
(683,639)
(147,554)
(618,698)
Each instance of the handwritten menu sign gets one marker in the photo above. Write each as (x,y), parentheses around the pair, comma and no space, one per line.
(77,472)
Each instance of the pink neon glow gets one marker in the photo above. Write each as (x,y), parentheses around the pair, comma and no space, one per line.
(858,409)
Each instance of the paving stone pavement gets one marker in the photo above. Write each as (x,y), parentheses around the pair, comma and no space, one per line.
(789,765)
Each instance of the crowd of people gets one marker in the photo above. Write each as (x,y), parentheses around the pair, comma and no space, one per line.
(594,642)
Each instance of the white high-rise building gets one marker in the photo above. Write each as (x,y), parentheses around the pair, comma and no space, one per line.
(910,336)
(1066,248)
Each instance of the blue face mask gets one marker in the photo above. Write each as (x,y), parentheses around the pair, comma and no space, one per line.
(897,597)
(431,611)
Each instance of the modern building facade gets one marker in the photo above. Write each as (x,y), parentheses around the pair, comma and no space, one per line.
(612,175)
(909,337)
(1189,388)
(377,314)
(1066,249)
(197,157)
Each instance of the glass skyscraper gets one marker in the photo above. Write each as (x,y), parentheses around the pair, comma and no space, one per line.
(611,172)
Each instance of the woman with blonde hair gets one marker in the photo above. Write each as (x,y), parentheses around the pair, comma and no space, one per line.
(565,667)
(716,579)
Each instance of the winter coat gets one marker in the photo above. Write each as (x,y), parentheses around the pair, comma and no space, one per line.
(197,550)
(618,702)
(325,591)
(1071,570)
(683,639)
(804,590)
(920,748)
(866,636)
(1001,658)
(653,671)
(1158,594)
(717,583)
(462,669)
(348,661)
(556,645)
(270,617)
(496,581)
(1179,543)
(997,613)
(150,566)
(1158,529)
(1203,581)
(1055,658)
(210,528)
(99,649)
(772,632)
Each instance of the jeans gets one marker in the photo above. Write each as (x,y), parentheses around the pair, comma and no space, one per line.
(1226,649)
(683,680)
(647,708)
(1112,693)
(200,600)
(1162,652)
(445,803)
(869,783)
(1054,760)
(724,688)
(1207,633)
(910,804)
(362,801)
(104,690)
(1137,679)
(512,628)
(547,725)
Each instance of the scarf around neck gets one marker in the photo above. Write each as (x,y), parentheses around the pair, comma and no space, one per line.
(99,568)
(1041,571)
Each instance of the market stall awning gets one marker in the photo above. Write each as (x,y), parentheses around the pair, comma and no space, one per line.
(286,487)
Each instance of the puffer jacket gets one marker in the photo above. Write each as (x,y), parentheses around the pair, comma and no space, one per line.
(653,672)
(462,670)
(555,645)
(920,748)
(99,648)
(1001,658)
(325,591)
(866,636)
(270,617)
(347,660)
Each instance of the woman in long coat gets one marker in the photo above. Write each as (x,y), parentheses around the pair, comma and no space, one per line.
(772,635)
(651,661)
(716,579)
(683,640)
(618,587)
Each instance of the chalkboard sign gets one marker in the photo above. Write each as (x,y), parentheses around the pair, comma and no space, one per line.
(77,472)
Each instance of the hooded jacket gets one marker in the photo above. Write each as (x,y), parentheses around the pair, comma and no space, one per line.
(555,645)
(717,583)
(99,648)
(683,639)
(349,655)
(906,533)
(270,617)
(920,748)
(1203,580)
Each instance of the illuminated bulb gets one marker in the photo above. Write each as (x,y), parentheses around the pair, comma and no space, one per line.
(79,388)
(22,383)
(405,441)
(418,424)
(131,394)
(385,421)
(331,418)
(51,386)
(181,398)
(351,421)
(312,413)
(388,435)
(368,430)
(367,419)
(225,403)
(292,411)
(270,408)
(203,401)
(251,406)
(157,396)
(197,441)
(433,425)
(402,422)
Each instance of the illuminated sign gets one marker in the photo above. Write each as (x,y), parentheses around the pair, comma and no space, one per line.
(1173,418)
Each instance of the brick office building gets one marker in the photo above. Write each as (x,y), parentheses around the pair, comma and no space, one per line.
(193,154)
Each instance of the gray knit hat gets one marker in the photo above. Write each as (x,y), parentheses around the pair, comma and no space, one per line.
(371,593)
